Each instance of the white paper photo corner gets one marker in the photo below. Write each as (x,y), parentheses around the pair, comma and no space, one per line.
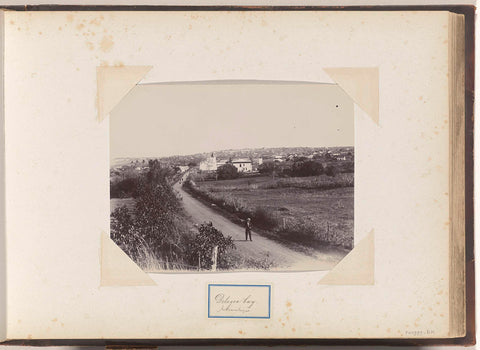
(357,268)
(361,84)
(113,83)
(117,269)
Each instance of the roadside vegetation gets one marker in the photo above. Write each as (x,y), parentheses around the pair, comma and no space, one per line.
(302,202)
(150,225)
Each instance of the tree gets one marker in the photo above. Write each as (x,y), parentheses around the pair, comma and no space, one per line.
(308,168)
(266,168)
(202,246)
(153,227)
(330,171)
(124,188)
(227,172)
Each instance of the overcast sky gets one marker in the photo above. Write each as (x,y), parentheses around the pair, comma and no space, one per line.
(178,119)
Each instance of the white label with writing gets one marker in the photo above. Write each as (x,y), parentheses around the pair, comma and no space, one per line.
(238,301)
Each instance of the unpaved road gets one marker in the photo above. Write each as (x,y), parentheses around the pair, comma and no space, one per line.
(283,257)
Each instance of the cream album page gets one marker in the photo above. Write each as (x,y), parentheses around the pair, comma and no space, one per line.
(214,174)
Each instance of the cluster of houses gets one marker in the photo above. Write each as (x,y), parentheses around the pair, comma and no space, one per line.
(248,165)
(243,165)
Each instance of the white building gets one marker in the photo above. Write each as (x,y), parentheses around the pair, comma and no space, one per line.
(210,164)
(243,165)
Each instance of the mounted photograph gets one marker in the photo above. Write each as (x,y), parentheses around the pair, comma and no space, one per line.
(233,176)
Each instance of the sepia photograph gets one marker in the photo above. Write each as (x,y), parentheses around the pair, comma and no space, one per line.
(233,176)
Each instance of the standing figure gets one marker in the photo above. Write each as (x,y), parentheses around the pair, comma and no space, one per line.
(248,229)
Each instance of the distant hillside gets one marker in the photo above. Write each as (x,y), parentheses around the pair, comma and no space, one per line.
(265,152)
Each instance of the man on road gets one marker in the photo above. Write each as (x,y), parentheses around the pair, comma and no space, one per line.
(248,229)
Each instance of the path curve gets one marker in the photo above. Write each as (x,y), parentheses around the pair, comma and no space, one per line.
(261,247)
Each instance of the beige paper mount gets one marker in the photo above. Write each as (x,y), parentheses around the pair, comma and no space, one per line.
(113,83)
(117,269)
(357,268)
(361,84)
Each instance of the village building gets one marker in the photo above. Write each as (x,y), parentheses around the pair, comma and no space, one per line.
(243,165)
(209,164)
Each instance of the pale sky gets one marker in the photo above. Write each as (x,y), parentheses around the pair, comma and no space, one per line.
(177,119)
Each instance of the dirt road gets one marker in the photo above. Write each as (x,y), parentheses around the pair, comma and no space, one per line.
(283,257)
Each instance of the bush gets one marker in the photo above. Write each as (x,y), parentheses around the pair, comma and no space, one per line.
(202,246)
(306,168)
(330,171)
(263,218)
(124,189)
(266,168)
(227,172)
(155,228)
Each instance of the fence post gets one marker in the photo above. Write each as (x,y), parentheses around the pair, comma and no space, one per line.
(214,258)
(198,261)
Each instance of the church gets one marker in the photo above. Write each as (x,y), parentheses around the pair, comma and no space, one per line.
(243,165)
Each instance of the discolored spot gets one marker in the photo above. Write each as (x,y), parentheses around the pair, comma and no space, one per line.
(96,21)
(70,18)
(106,44)
(289,304)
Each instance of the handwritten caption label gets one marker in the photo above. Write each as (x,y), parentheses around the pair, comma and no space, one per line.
(238,301)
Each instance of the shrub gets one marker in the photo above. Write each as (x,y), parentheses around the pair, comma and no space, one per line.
(266,168)
(264,218)
(202,247)
(124,188)
(330,171)
(227,172)
(154,229)
(306,168)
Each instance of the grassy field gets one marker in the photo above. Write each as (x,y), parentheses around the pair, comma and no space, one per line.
(309,209)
